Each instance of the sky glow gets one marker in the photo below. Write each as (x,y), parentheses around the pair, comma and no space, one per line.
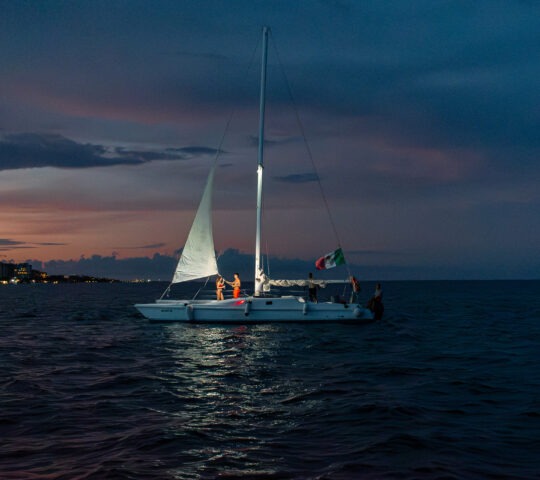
(423,119)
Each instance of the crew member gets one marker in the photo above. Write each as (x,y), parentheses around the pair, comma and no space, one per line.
(312,289)
(220,285)
(236,284)
(355,290)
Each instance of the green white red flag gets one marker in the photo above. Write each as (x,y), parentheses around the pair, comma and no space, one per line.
(330,260)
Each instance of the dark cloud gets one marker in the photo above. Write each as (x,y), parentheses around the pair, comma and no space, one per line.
(49,243)
(7,241)
(161,267)
(33,150)
(196,150)
(297,178)
(157,267)
(145,155)
(8,244)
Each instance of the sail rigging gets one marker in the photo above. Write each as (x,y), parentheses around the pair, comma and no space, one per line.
(198,259)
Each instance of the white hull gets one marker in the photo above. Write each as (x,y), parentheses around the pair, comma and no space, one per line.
(253,310)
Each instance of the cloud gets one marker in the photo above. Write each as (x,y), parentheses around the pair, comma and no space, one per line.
(35,150)
(196,150)
(49,243)
(143,156)
(157,267)
(7,241)
(297,178)
(161,267)
(32,150)
(7,244)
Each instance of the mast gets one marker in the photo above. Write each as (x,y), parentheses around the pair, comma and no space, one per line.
(260,166)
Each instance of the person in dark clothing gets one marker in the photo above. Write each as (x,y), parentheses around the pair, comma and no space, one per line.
(312,289)
(375,303)
(376,295)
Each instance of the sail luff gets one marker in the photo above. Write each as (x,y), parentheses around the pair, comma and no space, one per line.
(198,259)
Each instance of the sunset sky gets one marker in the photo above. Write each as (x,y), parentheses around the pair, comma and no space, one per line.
(423,118)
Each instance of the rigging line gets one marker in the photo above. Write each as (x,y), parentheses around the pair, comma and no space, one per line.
(308,148)
(205,283)
(198,291)
(166,290)
(303,133)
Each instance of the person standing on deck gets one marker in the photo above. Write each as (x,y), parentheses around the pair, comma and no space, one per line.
(236,284)
(355,290)
(312,289)
(220,285)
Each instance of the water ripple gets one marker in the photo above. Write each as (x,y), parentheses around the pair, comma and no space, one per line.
(445,390)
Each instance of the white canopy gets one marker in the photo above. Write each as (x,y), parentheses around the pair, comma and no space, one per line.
(198,258)
(304,283)
(268,282)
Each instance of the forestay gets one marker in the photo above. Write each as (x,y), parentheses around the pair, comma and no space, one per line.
(198,258)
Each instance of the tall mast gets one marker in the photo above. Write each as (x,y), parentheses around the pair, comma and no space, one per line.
(260,166)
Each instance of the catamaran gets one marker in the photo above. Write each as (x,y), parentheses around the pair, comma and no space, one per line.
(198,261)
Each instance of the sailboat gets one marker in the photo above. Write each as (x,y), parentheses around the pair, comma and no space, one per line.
(198,261)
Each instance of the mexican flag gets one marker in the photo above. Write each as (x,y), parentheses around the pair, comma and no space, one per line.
(332,259)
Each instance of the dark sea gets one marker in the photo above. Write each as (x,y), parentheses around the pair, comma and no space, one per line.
(446,386)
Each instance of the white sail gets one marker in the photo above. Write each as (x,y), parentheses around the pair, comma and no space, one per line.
(198,258)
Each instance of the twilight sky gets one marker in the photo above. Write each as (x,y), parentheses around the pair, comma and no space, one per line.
(423,118)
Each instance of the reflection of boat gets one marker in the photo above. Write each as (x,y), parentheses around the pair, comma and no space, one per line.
(198,261)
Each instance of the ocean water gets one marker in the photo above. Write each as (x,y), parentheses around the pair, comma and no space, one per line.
(446,386)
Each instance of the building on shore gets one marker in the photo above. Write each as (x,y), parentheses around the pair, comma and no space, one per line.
(23,271)
(16,272)
(7,271)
